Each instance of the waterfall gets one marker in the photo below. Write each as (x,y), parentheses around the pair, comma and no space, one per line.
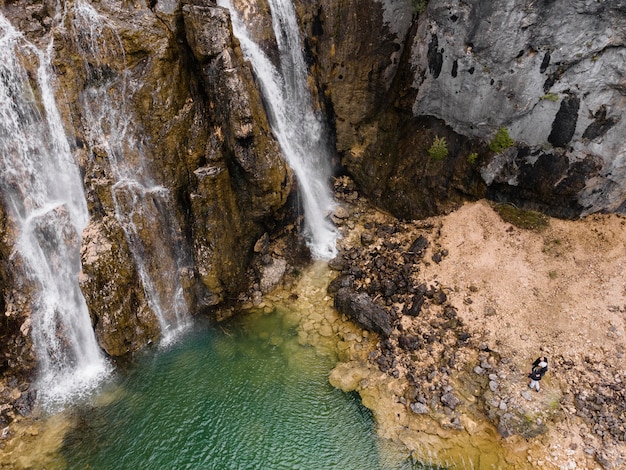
(43,191)
(142,207)
(298,128)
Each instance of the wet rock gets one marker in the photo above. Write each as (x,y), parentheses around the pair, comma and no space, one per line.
(344,280)
(272,273)
(341,213)
(338,263)
(26,402)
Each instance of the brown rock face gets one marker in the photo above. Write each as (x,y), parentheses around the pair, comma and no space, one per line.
(156,97)
(123,321)
(17,357)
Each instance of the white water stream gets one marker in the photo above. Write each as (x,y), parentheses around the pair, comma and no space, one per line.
(297,126)
(43,190)
(142,206)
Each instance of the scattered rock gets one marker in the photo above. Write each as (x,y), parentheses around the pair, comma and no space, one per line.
(361,308)
(419,408)
(449,400)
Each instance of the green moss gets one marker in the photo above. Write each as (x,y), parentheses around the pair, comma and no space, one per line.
(501,141)
(419,6)
(550,97)
(472,157)
(529,220)
(439,149)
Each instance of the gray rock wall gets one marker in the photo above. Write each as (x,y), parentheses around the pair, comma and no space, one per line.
(550,72)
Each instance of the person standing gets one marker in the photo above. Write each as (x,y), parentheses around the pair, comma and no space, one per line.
(539,368)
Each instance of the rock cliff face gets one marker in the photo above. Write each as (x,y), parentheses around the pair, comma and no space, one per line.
(549,72)
(186,120)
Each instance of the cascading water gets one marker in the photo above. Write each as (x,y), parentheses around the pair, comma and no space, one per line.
(42,188)
(142,207)
(298,128)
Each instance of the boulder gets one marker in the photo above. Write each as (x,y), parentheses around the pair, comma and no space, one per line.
(363,311)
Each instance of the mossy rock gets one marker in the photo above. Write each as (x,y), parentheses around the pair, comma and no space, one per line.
(525,219)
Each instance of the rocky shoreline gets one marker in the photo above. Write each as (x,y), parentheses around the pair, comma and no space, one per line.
(442,361)
(452,375)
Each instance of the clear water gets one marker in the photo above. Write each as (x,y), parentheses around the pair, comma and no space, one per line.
(244,396)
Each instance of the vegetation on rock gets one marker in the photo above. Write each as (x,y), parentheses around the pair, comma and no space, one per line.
(439,149)
(526,219)
(501,141)
(419,6)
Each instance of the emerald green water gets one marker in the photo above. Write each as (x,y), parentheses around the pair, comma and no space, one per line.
(241,396)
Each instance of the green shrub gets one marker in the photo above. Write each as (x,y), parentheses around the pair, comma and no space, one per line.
(501,141)
(439,149)
(419,6)
(472,157)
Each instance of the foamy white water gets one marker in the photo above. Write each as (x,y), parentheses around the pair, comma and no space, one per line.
(139,200)
(299,130)
(42,187)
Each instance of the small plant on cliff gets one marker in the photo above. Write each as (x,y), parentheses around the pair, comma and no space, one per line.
(550,97)
(501,141)
(419,6)
(439,149)
(472,157)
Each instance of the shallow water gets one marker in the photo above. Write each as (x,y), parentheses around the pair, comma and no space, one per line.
(244,395)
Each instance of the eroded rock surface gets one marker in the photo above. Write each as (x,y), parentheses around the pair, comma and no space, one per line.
(551,73)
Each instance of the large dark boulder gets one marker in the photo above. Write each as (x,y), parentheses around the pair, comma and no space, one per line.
(363,311)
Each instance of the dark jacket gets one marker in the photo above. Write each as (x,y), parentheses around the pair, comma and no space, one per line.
(538,372)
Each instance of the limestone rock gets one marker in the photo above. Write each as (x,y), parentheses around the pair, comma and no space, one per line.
(548,72)
(123,320)
(272,273)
